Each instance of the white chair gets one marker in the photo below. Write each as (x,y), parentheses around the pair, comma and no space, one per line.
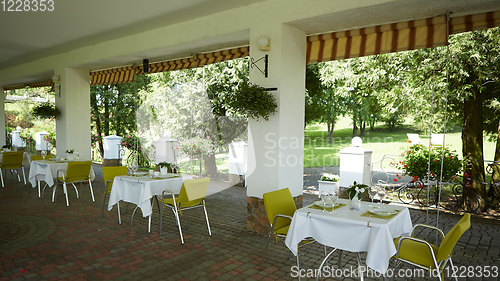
(413,139)
(437,139)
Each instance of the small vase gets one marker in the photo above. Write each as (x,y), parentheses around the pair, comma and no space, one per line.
(355,203)
(163,171)
(70,157)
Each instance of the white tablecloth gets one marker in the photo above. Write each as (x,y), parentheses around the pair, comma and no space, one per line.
(139,190)
(45,170)
(348,230)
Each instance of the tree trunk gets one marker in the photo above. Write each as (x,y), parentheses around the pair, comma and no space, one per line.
(210,166)
(472,141)
(495,177)
(363,128)
(330,124)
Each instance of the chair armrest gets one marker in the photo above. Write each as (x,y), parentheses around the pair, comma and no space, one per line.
(280,216)
(63,175)
(427,226)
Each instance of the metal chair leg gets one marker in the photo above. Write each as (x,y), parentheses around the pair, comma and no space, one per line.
(265,251)
(206,217)
(91,191)
(66,193)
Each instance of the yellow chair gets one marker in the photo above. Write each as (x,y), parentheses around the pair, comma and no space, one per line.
(192,195)
(280,208)
(425,255)
(77,172)
(12,161)
(109,174)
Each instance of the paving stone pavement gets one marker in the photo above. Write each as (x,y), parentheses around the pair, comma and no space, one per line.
(41,240)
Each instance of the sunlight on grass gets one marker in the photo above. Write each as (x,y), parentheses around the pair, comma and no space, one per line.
(319,153)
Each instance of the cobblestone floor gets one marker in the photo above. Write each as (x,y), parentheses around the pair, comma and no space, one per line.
(40,240)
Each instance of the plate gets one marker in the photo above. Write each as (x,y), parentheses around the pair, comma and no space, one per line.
(138,174)
(323,205)
(384,212)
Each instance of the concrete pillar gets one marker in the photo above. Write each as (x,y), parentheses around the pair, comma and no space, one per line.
(73,127)
(2,118)
(276,147)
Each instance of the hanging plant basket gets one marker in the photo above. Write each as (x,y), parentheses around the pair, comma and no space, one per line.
(46,110)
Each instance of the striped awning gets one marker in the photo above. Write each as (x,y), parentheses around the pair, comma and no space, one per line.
(48,83)
(127,74)
(197,60)
(113,76)
(395,37)
(474,22)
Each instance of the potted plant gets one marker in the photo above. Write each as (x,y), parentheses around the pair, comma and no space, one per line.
(70,154)
(46,110)
(328,182)
(415,163)
(164,168)
(356,192)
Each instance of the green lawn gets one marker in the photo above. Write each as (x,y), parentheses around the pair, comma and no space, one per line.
(319,153)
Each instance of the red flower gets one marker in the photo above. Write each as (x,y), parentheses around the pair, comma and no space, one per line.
(395,179)
(406,166)
(414,178)
(435,160)
(409,151)
(420,186)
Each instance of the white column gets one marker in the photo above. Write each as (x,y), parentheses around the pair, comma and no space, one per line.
(2,118)
(276,147)
(73,127)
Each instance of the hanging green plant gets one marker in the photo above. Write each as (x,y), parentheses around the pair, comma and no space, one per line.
(46,110)
(254,101)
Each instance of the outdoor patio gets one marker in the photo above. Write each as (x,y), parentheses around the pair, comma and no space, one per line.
(41,240)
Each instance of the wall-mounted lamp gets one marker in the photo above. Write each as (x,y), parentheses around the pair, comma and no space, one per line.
(57,85)
(264,43)
(145,66)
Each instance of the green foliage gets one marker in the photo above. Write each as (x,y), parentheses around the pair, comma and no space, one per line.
(131,142)
(330,177)
(46,110)
(357,189)
(51,138)
(196,147)
(26,135)
(253,101)
(416,159)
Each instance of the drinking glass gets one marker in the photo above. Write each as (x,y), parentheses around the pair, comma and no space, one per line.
(324,195)
(381,193)
(333,197)
(373,191)
(77,155)
(44,153)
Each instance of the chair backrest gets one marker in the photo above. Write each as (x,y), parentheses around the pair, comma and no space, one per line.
(36,157)
(279,202)
(12,160)
(193,190)
(437,139)
(78,171)
(109,173)
(413,138)
(451,238)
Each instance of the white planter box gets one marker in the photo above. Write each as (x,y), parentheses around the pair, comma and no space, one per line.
(327,186)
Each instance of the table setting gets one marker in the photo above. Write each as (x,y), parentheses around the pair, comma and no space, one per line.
(357,226)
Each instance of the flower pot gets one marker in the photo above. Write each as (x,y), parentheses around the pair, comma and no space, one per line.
(163,171)
(355,203)
(71,157)
(328,186)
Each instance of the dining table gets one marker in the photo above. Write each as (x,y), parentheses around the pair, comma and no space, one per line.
(46,170)
(141,189)
(370,229)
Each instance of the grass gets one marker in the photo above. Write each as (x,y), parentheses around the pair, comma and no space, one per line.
(319,153)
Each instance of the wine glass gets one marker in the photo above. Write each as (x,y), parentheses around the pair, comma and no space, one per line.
(324,195)
(373,191)
(381,193)
(77,155)
(333,197)
(44,153)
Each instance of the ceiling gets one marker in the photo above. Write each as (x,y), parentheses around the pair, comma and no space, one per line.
(26,36)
